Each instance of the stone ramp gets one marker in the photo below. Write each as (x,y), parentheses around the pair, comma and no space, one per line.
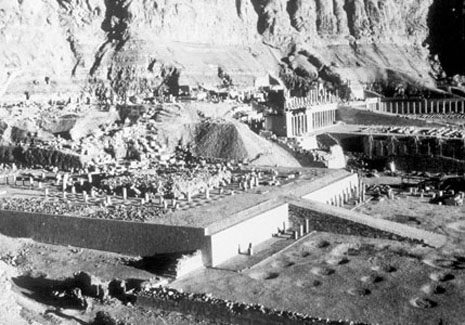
(427,237)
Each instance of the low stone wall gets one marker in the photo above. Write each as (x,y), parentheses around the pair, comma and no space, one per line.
(341,221)
(330,223)
(139,239)
(428,163)
(223,311)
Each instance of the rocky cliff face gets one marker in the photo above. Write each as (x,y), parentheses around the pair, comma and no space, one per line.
(115,47)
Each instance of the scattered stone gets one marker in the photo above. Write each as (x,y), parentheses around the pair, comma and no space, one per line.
(371,278)
(337,260)
(358,292)
(322,271)
(433,288)
(271,276)
(422,303)
(441,276)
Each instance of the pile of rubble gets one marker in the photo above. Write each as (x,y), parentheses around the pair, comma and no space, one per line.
(381,191)
(38,205)
(444,132)
(439,116)
(168,182)
(128,213)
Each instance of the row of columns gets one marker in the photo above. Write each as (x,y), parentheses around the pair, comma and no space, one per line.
(353,191)
(314,98)
(323,118)
(299,124)
(424,107)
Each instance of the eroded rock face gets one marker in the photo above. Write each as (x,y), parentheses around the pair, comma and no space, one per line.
(100,47)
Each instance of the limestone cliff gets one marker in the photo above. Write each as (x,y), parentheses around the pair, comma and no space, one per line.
(98,47)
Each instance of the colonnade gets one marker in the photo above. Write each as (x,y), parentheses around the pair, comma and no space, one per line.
(299,124)
(356,191)
(323,118)
(314,98)
(303,122)
(423,107)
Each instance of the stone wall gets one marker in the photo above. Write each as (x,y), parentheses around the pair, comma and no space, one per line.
(333,224)
(225,312)
(328,218)
(430,164)
(226,243)
(140,239)
(347,186)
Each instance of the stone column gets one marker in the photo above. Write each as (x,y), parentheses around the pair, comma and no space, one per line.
(288,118)
(297,125)
(291,129)
(294,123)
(295,131)
(302,123)
(309,117)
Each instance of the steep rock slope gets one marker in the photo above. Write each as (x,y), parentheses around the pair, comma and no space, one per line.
(115,48)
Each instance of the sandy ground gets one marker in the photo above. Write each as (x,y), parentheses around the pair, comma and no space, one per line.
(27,267)
(418,212)
(343,277)
(361,279)
(323,275)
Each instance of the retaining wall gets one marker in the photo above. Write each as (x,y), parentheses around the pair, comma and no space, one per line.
(225,244)
(341,221)
(333,190)
(140,239)
(225,312)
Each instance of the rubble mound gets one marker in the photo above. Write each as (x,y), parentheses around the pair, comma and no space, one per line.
(229,139)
